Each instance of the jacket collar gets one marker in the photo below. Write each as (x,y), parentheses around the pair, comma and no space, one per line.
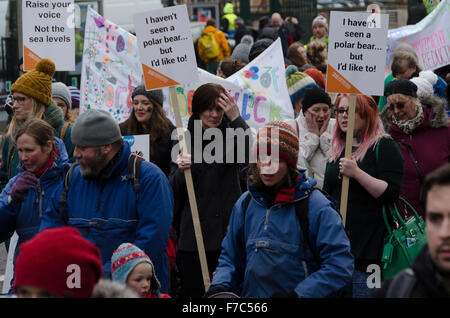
(303,186)
(426,272)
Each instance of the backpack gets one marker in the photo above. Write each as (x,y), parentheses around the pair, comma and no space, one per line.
(134,168)
(210,45)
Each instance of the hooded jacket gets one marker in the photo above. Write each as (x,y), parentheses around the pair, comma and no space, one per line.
(108,213)
(431,136)
(25,218)
(10,158)
(224,48)
(263,252)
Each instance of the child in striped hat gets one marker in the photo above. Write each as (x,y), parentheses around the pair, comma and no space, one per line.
(131,266)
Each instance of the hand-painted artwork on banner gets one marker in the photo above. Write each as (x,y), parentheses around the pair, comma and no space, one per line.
(430,39)
(112,69)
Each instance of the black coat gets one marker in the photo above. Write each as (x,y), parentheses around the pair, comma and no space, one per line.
(240,32)
(217,188)
(162,151)
(428,284)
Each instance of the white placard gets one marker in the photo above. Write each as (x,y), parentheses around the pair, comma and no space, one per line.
(48,32)
(165,46)
(357,52)
(140,145)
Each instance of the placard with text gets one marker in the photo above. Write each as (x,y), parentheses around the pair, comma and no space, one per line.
(48,32)
(165,46)
(357,52)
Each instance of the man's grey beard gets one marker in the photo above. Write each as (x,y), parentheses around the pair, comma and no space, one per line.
(93,169)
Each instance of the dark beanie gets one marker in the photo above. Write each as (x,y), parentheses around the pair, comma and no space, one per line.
(258,47)
(315,95)
(156,94)
(401,86)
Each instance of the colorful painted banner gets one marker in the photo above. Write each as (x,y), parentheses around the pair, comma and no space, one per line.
(430,39)
(259,89)
(112,69)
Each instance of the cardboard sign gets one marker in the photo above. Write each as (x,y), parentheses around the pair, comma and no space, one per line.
(48,32)
(357,52)
(166,47)
(140,145)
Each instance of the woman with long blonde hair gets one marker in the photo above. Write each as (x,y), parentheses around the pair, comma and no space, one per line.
(375,171)
(32,98)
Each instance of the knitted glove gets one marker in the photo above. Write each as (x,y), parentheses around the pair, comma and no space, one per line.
(27,180)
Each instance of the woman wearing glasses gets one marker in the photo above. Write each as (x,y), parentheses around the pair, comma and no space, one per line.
(374,181)
(418,123)
(32,98)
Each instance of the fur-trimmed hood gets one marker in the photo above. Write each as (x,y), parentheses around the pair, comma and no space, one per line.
(436,104)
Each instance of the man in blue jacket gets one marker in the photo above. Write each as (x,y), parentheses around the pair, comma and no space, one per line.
(101,201)
(264,253)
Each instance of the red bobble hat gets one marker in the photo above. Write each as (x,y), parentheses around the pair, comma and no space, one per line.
(59,261)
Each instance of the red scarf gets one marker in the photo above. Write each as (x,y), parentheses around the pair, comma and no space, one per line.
(287,194)
(41,171)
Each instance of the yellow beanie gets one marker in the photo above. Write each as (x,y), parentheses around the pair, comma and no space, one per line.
(38,82)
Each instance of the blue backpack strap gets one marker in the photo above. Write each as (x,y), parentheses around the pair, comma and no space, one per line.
(134,169)
(68,169)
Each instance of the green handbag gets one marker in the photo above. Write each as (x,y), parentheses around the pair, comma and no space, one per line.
(403,243)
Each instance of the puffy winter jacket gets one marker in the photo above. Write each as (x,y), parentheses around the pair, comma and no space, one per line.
(263,253)
(221,40)
(107,212)
(25,217)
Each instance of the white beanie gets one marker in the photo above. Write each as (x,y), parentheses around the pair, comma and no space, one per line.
(425,82)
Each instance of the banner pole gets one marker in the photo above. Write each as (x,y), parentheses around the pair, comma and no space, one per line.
(348,155)
(191,192)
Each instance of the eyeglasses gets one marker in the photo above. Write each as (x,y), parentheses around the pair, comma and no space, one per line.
(399,106)
(19,100)
(342,111)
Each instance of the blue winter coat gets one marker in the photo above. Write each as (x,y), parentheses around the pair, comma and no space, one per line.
(263,254)
(107,214)
(25,217)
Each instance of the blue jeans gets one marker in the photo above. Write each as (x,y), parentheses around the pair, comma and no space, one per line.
(359,285)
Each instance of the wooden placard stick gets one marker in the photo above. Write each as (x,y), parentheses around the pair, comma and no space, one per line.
(348,155)
(191,192)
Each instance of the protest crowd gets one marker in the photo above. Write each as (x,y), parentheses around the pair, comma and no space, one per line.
(82,202)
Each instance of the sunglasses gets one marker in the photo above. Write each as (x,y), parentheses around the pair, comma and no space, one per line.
(399,106)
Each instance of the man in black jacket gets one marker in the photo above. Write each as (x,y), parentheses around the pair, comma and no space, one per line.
(429,275)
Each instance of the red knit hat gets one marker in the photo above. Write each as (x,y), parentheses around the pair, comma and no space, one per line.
(317,75)
(277,133)
(59,261)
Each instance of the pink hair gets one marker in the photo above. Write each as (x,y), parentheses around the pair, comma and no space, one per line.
(373,130)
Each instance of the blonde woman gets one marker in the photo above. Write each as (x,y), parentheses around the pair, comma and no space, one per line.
(32,98)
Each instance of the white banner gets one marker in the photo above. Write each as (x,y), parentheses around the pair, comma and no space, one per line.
(430,38)
(112,69)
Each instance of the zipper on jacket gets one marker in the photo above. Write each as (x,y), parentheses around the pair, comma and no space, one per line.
(100,196)
(40,194)
(266,222)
